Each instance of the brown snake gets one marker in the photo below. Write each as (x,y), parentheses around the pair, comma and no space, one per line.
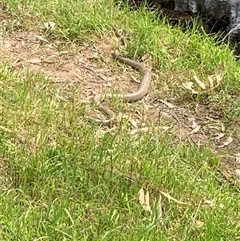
(131,97)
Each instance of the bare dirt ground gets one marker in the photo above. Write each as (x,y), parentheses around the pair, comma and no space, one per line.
(90,69)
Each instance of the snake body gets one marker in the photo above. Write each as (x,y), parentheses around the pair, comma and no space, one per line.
(130,97)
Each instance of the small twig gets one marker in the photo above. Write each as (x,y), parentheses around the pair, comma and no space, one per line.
(168,196)
(230,32)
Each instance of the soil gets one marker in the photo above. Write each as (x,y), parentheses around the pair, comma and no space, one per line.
(90,69)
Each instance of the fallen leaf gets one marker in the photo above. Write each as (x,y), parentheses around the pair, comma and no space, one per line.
(141,197)
(194,123)
(159,208)
(211,82)
(227,142)
(133,123)
(219,73)
(188,86)
(195,130)
(145,57)
(49,25)
(41,38)
(199,82)
(148,208)
(144,200)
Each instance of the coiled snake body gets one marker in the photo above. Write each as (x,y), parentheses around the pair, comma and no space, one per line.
(131,97)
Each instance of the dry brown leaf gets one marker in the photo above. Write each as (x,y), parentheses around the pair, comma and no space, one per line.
(144,200)
(219,73)
(199,82)
(41,38)
(194,123)
(195,130)
(188,86)
(133,123)
(141,197)
(218,77)
(227,142)
(211,82)
(50,25)
(159,208)
(147,200)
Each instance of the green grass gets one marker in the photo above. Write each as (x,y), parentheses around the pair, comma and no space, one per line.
(68,182)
